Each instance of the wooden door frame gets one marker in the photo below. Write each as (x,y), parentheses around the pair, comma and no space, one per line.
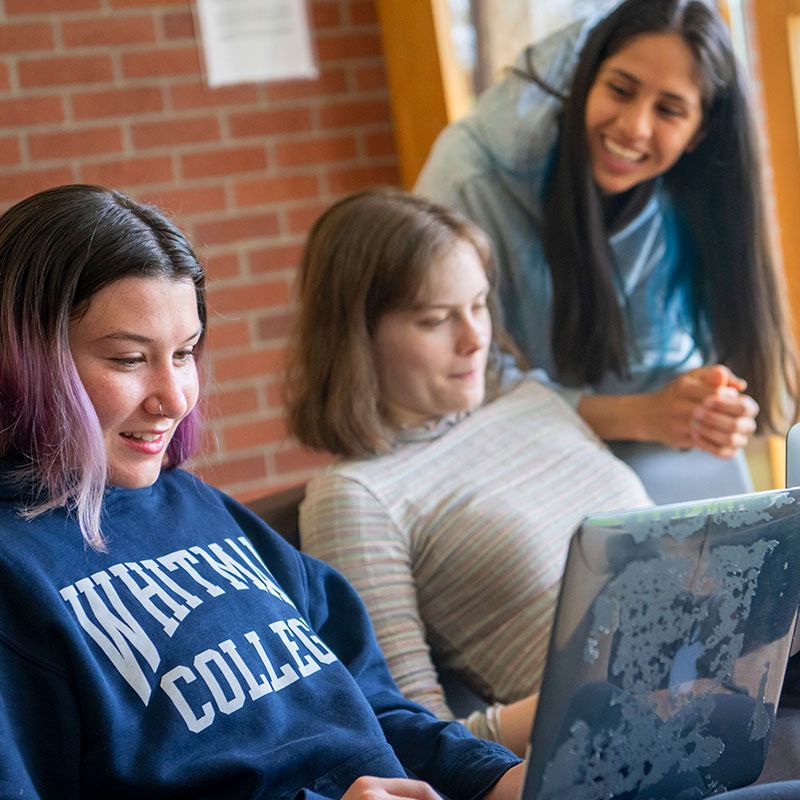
(770,35)
(425,84)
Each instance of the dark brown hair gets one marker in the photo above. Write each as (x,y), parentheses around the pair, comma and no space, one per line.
(368,254)
(58,249)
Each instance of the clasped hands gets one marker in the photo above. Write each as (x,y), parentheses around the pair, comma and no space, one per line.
(705,408)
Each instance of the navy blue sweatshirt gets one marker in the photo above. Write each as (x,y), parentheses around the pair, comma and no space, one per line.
(200,657)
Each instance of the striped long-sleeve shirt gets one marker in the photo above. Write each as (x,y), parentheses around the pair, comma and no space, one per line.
(456,541)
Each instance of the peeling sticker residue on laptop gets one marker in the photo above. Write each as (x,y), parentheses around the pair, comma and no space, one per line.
(734,514)
(667,624)
(688,519)
(679,652)
(760,721)
(633,604)
(652,611)
(630,755)
(783,499)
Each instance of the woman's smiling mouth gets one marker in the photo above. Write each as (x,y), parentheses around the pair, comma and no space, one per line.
(146,443)
(145,437)
(620,151)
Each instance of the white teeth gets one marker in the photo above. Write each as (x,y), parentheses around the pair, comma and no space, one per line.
(622,152)
(145,437)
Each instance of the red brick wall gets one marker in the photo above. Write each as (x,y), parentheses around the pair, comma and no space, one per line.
(110,92)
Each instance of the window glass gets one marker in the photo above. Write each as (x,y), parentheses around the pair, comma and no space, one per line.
(488,34)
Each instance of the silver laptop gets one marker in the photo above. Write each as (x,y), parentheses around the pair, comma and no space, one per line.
(668,651)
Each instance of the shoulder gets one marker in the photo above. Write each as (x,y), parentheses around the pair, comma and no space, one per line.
(555,57)
(511,131)
(376,491)
(342,475)
(509,136)
(533,417)
(346,483)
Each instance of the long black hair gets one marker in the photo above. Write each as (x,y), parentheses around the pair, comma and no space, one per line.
(732,289)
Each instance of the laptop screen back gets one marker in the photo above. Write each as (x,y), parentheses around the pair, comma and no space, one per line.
(668,651)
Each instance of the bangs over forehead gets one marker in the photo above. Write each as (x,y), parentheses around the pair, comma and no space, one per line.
(425,294)
(411,234)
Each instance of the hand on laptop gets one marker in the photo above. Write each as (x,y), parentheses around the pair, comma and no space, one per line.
(371,788)
(516,720)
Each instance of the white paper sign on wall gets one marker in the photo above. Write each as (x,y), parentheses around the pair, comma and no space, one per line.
(245,41)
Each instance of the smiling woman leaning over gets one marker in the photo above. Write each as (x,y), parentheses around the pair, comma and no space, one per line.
(616,169)
(146,649)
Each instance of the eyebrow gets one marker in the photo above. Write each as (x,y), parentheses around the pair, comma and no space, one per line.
(129,336)
(633,79)
(429,306)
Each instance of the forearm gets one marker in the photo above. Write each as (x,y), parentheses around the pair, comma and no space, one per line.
(516,720)
(509,725)
(616,416)
(442,753)
(509,786)
(704,408)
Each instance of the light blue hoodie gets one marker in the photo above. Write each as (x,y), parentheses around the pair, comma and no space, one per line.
(492,166)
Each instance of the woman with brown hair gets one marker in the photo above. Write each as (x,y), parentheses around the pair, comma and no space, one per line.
(461,478)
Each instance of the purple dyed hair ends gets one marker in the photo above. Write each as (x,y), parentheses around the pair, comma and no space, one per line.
(57,249)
